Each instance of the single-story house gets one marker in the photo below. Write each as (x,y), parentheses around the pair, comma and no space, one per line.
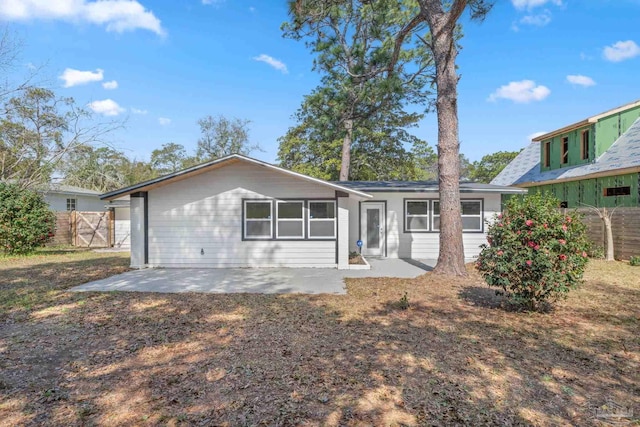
(240,212)
(61,198)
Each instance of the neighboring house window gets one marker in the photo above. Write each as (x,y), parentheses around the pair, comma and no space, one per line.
(290,219)
(71,204)
(258,222)
(585,145)
(471,211)
(322,219)
(565,151)
(617,191)
(416,215)
(547,154)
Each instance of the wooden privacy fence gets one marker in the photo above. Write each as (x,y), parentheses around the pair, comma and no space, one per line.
(85,229)
(625,225)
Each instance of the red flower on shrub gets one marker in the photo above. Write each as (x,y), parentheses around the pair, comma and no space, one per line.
(584,254)
(500,253)
(569,219)
(562,241)
(529,262)
(564,227)
(562,257)
(536,247)
(529,222)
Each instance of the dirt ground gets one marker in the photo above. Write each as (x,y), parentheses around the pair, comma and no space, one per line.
(453,358)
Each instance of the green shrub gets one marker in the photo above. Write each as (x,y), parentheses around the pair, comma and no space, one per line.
(595,252)
(634,260)
(536,254)
(26,222)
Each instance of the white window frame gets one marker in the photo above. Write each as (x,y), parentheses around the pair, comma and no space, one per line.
(277,219)
(246,220)
(334,219)
(72,204)
(464,230)
(407,216)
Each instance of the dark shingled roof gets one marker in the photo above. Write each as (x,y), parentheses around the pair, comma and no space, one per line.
(423,187)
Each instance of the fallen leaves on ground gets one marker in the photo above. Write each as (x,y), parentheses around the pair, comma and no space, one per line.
(454,357)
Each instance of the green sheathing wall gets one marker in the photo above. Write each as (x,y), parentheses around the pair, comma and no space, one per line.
(609,129)
(575,149)
(591,191)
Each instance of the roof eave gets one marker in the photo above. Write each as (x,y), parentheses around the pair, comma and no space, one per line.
(204,167)
(611,172)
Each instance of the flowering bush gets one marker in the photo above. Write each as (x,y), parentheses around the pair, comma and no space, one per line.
(26,222)
(535,253)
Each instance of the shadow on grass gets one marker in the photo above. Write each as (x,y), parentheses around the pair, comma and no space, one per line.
(126,359)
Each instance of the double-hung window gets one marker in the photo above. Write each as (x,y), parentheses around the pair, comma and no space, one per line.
(290,219)
(417,215)
(322,219)
(471,211)
(71,204)
(258,223)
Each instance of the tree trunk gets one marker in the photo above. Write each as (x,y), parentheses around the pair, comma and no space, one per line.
(451,255)
(609,235)
(346,150)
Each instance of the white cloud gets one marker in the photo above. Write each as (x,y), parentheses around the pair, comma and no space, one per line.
(210,2)
(530,4)
(539,20)
(535,135)
(108,107)
(164,121)
(139,111)
(252,9)
(620,51)
(521,92)
(115,15)
(581,80)
(73,77)
(110,85)
(278,65)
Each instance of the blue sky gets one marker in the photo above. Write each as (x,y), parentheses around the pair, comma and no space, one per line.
(531,66)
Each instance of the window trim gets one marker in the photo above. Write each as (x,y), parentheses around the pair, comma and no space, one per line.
(564,154)
(467,231)
(406,216)
(245,219)
(72,201)
(334,219)
(301,219)
(620,187)
(584,151)
(547,154)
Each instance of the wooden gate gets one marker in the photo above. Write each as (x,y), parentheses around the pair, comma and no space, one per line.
(91,229)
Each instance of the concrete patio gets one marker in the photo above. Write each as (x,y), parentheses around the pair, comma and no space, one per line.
(253,280)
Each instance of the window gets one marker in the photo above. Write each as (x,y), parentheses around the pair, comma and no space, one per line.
(617,191)
(322,219)
(547,154)
(471,215)
(565,151)
(258,219)
(585,145)
(71,204)
(416,215)
(290,219)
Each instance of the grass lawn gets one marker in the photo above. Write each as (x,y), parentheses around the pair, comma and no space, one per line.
(453,358)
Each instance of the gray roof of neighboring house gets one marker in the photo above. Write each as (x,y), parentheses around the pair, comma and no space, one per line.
(70,189)
(623,154)
(424,187)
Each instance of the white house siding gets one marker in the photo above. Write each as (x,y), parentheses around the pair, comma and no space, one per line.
(197,222)
(58,202)
(122,228)
(420,245)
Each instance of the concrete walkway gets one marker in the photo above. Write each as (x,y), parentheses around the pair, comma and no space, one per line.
(253,280)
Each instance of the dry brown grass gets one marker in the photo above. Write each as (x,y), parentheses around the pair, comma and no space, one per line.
(453,358)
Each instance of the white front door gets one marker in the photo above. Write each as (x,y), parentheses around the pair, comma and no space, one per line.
(374,228)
